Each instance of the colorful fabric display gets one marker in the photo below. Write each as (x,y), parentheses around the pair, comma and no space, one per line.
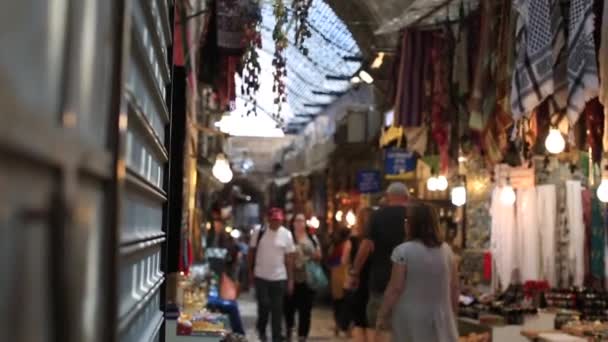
(539,28)
(583,83)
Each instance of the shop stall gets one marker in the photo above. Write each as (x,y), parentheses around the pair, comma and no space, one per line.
(514,156)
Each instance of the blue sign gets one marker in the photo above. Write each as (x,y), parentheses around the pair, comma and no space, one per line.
(399,162)
(369,181)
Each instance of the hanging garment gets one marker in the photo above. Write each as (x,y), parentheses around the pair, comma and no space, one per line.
(502,240)
(605,248)
(583,83)
(546,207)
(539,27)
(603,59)
(586,196)
(409,92)
(528,238)
(479,117)
(576,228)
(598,241)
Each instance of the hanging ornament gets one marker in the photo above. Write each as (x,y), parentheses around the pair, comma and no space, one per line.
(300,10)
(279,62)
(251,65)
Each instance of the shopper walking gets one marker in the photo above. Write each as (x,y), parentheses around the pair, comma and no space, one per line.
(357,296)
(301,301)
(422,294)
(221,249)
(271,262)
(384,234)
(339,271)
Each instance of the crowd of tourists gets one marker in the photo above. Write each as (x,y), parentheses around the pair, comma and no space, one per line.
(391,277)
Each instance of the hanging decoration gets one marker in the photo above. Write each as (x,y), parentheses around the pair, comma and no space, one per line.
(251,63)
(300,10)
(279,36)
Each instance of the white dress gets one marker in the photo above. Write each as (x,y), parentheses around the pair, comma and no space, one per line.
(424,310)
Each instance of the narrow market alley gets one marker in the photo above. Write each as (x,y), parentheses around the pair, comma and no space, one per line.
(304,170)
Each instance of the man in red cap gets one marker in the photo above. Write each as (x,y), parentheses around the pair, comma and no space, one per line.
(271,262)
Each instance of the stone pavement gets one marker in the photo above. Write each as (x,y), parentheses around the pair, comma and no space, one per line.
(322,327)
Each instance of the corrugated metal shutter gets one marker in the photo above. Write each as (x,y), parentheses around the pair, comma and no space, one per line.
(144,194)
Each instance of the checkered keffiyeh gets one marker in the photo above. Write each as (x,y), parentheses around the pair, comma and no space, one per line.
(539,41)
(583,83)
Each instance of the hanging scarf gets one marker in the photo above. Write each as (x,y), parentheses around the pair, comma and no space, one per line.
(598,238)
(603,58)
(439,125)
(583,82)
(537,46)
(479,117)
(408,95)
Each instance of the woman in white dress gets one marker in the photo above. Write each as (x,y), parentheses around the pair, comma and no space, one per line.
(422,295)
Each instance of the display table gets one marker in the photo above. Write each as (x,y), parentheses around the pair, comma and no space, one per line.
(550,336)
(509,333)
(171,334)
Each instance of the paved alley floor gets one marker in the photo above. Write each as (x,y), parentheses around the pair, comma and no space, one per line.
(322,327)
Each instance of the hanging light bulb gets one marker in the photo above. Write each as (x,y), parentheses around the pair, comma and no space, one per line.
(442,183)
(339,215)
(431,183)
(507,195)
(351,218)
(235,234)
(229,229)
(314,222)
(459,196)
(221,169)
(602,191)
(555,142)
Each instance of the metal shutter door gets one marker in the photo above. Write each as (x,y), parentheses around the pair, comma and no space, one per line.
(57,175)
(144,194)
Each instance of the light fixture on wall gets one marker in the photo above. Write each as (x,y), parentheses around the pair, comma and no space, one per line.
(442,183)
(507,194)
(555,142)
(355,80)
(351,219)
(221,169)
(366,77)
(378,61)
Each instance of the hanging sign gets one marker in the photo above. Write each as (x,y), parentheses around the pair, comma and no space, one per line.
(368,181)
(400,164)
(519,177)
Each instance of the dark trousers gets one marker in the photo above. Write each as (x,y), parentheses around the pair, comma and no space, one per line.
(270,296)
(300,302)
(341,314)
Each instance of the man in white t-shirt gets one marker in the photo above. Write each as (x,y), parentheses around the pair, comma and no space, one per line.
(272,266)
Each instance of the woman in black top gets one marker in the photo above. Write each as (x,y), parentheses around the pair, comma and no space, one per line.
(357,297)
